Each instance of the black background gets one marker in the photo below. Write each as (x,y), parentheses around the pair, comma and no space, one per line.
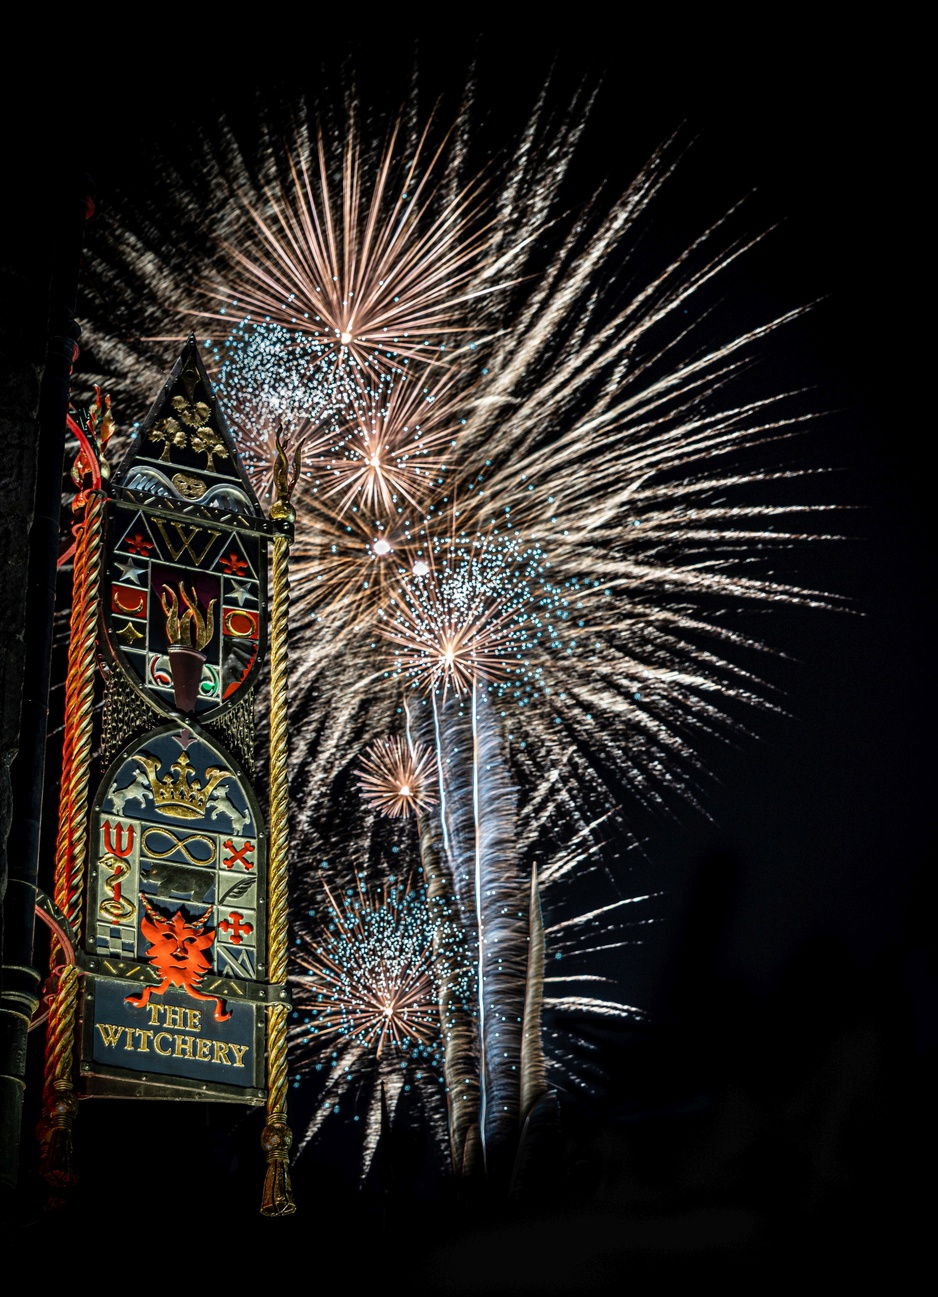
(777,1108)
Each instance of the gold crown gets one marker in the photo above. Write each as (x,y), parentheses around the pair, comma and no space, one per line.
(184,799)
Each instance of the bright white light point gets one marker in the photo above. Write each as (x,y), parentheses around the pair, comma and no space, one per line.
(449,655)
(405,790)
(345,338)
(381,547)
(420,568)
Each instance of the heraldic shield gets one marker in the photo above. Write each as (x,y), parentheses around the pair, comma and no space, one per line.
(186,555)
(177,921)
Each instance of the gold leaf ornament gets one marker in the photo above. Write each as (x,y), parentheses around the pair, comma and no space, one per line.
(193,414)
(170,434)
(207,441)
(284,480)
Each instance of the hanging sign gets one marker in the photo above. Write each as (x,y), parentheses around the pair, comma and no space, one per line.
(177,909)
(170,896)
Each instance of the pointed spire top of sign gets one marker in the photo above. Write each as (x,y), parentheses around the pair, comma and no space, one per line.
(183,450)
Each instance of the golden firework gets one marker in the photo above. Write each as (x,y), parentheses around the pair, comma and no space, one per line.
(376,271)
(389,449)
(397,777)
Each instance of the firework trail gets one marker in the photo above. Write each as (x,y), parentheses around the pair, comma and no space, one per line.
(523,523)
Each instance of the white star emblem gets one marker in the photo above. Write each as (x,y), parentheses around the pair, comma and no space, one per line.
(129,571)
(239,590)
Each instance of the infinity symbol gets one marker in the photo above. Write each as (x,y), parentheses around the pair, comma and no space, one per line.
(178,844)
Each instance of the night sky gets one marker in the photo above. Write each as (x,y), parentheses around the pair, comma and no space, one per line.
(793,986)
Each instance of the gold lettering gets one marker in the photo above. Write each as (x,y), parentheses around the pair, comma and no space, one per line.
(162,1035)
(239,1053)
(195,1019)
(143,1035)
(221,1053)
(187,544)
(173,1016)
(127,1042)
(154,1015)
(183,1047)
(204,1050)
(109,1034)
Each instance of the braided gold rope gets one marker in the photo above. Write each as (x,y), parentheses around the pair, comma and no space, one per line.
(61,1012)
(279,780)
(276,1138)
(72,841)
(59,1101)
(71,847)
(63,836)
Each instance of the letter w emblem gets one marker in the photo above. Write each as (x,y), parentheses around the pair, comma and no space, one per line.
(185,542)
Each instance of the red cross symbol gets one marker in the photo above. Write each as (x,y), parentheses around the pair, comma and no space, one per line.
(233,565)
(238,854)
(236,926)
(139,544)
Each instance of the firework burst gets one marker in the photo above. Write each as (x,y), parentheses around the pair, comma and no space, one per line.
(374,272)
(365,1013)
(391,450)
(371,469)
(368,972)
(585,531)
(462,610)
(396,777)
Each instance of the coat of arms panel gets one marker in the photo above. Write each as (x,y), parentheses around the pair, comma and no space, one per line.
(177,913)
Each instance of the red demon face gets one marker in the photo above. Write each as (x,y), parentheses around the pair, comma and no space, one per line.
(176,951)
(176,947)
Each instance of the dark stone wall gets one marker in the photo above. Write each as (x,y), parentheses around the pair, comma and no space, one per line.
(38,283)
(23,337)
(24,291)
